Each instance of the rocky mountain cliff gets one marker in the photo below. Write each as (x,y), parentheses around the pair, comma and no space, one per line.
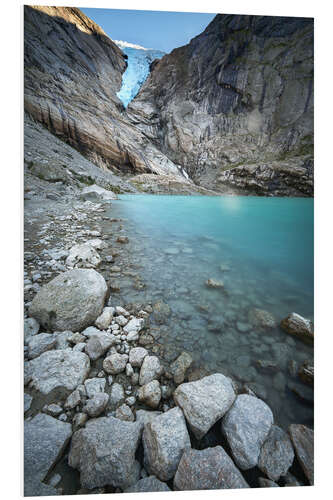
(234,107)
(72,72)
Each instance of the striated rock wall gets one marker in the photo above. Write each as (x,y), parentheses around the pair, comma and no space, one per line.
(238,95)
(72,72)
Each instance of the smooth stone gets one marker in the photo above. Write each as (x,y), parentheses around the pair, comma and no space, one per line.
(246,426)
(62,369)
(104,452)
(164,440)
(45,439)
(303,440)
(276,454)
(208,469)
(71,301)
(205,401)
(151,369)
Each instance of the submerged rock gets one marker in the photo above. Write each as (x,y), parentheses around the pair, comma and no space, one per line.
(71,301)
(262,319)
(45,439)
(164,440)
(306,373)
(104,452)
(205,401)
(179,367)
(212,283)
(208,469)
(161,312)
(300,327)
(246,427)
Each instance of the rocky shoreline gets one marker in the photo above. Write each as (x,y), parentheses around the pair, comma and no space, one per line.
(113,409)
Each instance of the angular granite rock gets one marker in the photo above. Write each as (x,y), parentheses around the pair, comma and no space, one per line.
(145,416)
(151,369)
(137,355)
(45,439)
(41,343)
(303,440)
(148,484)
(150,394)
(104,320)
(96,405)
(116,363)
(31,327)
(104,452)
(246,426)
(84,256)
(61,369)
(209,469)
(164,440)
(98,344)
(71,301)
(94,385)
(300,327)
(276,454)
(205,401)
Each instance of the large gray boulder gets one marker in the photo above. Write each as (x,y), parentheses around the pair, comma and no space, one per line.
(164,440)
(277,454)
(62,369)
(96,193)
(104,452)
(205,401)
(71,301)
(45,439)
(303,440)
(208,469)
(148,484)
(246,426)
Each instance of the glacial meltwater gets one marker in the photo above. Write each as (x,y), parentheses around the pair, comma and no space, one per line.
(261,249)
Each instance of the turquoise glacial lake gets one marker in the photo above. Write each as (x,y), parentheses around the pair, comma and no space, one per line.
(262,251)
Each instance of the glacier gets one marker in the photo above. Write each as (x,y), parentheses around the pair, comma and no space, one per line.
(138,68)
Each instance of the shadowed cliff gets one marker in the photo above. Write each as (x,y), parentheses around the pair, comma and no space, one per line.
(71,75)
(235,105)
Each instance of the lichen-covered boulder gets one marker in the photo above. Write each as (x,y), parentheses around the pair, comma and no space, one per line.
(71,301)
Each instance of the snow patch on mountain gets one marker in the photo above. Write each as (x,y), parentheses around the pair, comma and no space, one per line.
(138,68)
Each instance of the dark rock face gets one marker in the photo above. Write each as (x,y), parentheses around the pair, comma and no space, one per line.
(238,95)
(72,71)
(303,440)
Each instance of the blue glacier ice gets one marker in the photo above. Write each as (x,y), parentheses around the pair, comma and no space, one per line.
(139,60)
